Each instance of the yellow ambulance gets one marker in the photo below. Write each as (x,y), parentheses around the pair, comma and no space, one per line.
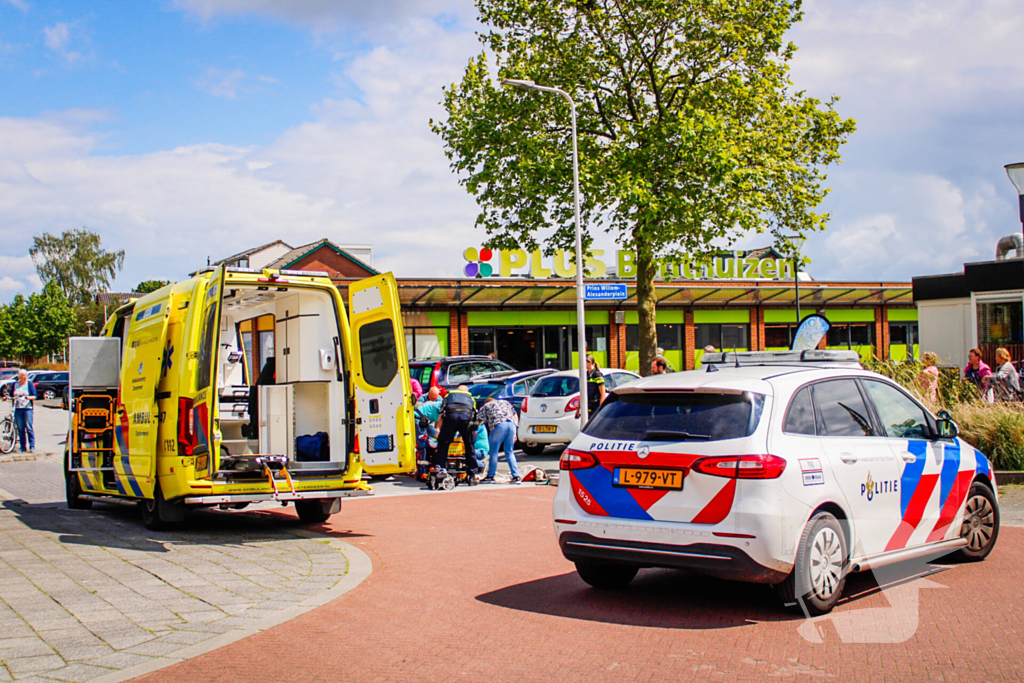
(241,386)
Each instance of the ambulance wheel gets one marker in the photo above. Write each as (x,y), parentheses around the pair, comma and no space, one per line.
(819,572)
(606,576)
(73,490)
(533,448)
(980,526)
(312,511)
(158,514)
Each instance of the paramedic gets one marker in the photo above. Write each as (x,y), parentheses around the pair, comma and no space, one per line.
(459,408)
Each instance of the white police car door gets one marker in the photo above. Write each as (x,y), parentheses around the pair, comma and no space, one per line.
(864,465)
(925,465)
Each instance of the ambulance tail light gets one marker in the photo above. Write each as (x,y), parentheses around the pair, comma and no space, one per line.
(574,404)
(577,460)
(742,466)
(186,426)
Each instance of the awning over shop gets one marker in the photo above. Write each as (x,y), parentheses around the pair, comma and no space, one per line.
(492,293)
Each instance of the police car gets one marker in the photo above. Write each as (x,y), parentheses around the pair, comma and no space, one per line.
(787,468)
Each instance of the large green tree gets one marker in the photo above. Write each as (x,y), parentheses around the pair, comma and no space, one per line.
(147,286)
(36,326)
(690,131)
(76,262)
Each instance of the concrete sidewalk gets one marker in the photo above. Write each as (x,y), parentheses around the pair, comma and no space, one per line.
(94,596)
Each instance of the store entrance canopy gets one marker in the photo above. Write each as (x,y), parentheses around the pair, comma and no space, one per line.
(493,293)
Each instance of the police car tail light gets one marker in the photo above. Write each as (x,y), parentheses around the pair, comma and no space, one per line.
(742,467)
(576,460)
(186,425)
(574,404)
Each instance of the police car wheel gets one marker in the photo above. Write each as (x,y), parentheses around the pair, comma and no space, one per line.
(819,572)
(606,576)
(981,524)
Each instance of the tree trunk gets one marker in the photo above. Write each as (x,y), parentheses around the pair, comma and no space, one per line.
(646,269)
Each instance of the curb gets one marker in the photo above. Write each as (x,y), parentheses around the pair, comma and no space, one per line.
(1009,477)
(359,567)
(24,457)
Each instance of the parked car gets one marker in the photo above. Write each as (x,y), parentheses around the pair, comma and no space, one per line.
(513,388)
(8,384)
(790,468)
(550,414)
(50,385)
(451,371)
(8,373)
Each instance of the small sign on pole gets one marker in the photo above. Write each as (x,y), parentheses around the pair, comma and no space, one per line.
(605,292)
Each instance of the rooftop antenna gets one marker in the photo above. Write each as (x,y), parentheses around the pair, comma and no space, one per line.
(207,260)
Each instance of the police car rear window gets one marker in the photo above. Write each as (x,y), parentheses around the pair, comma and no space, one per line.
(677,417)
(556,386)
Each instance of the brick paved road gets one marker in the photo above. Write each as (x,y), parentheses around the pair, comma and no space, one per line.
(495,601)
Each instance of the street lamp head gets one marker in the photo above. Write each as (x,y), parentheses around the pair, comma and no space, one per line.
(522,84)
(1016,174)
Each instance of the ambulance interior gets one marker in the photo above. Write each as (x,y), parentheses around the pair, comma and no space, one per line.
(279,378)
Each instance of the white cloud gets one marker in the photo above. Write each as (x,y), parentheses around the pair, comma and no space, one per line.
(221,82)
(367,172)
(20,4)
(326,16)
(58,38)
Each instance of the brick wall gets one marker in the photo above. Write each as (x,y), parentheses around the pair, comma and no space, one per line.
(690,339)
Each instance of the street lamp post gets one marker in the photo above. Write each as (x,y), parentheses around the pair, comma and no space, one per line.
(796,241)
(581,328)
(89,324)
(1016,173)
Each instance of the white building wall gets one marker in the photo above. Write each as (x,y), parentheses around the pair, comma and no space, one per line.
(946,326)
(264,258)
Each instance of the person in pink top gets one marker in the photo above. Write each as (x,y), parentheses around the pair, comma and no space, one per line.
(928,378)
(977,369)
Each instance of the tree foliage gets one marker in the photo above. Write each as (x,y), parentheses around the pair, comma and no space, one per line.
(76,262)
(147,286)
(690,132)
(36,326)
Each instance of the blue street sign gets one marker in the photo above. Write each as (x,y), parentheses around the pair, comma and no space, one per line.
(604,292)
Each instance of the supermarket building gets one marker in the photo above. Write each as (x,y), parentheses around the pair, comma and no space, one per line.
(521,307)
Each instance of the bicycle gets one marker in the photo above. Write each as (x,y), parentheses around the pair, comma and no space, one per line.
(8,432)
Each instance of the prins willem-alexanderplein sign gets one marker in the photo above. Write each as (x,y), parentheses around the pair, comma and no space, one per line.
(509,262)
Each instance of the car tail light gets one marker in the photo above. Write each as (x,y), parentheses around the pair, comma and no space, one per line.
(523,409)
(573,404)
(186,425)
(434,375)
(742,466)
(576,460)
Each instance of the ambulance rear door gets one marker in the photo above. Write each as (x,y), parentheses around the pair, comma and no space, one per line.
(206,401)
(380,377)
(137,422)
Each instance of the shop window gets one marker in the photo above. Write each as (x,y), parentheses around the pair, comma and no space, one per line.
(778,336)
(426,342)
(723,336)
(847,335)
(1000,323)
(481,341)
(632,337)
(670,337)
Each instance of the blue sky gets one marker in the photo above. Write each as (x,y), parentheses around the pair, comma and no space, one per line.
(181,129)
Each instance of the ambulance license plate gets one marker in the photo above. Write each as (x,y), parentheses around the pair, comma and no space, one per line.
(647,478)
(545,429)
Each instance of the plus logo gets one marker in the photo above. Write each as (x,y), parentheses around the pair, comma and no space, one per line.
(478,262)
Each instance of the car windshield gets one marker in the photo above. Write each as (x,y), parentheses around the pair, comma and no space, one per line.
(676,417)
(556,386)
(481,391)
